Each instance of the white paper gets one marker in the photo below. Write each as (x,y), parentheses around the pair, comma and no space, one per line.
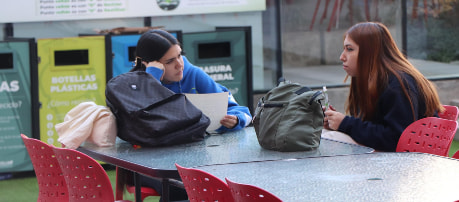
(213,105)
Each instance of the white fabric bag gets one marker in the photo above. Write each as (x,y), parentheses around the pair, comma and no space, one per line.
(87,122)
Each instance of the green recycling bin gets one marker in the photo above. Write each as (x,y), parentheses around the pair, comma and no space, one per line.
(17,65)
(224,54)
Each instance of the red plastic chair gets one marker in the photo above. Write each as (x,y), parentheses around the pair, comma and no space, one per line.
(122,183)
(428,135)
(86,179)
(51,182)
(250,193)
(203,186)
(451,112)
(456,155)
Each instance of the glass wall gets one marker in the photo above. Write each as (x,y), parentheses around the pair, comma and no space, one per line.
(312,35)
(302,40)
(433,37)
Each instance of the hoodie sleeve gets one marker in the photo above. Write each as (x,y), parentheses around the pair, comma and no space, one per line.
(205,84)
(241,112)
(156,72)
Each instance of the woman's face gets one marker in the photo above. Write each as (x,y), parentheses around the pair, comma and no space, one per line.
(173,64)
(349,56)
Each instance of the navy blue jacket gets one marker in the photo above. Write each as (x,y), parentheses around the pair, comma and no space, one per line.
(393,114)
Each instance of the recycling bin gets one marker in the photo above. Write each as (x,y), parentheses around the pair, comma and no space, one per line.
(70,71)
(225,54)
(17,111)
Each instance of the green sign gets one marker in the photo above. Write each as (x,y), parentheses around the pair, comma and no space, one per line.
(224,55)
(15,105)
(70,71)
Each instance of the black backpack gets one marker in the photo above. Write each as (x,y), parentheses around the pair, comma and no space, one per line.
(149,114)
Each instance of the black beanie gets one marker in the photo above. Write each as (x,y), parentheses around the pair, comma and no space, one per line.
(153,44)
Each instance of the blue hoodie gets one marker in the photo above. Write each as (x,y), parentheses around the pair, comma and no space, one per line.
(195,80)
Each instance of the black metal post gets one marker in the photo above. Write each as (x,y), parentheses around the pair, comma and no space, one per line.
(8,30)
(147,21)
(404,29)
(279,38)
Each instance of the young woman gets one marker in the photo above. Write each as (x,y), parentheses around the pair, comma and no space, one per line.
(160,53)
(387,93)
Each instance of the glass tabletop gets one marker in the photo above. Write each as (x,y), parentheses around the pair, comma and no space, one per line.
(378,176)
(234,147)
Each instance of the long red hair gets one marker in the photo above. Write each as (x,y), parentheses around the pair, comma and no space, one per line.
(378,58)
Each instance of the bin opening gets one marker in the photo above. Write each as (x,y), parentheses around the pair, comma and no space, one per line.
(131,52)
(71,57)
(214,50)
(6,61)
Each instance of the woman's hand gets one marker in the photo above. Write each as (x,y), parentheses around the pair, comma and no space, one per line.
(325,117)
(229,121)
(326,123)
(157,65)
(332,119)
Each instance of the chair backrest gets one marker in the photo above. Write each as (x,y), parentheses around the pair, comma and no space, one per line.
(456,155)
(451,112)
(203,186)
(250,193)
(50,179)
(428,135)
(86,179)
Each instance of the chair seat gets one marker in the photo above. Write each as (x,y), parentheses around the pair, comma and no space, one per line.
(123,182)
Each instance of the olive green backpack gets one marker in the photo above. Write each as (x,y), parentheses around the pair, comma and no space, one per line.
(289,118)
